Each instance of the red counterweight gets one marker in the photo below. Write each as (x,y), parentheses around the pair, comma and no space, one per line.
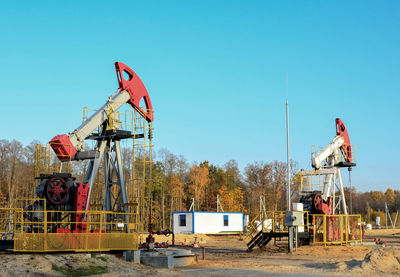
(63,147)
(346,147)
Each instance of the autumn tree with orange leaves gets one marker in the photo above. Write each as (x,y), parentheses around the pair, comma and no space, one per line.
(231,200)
(175,183)
(198,181)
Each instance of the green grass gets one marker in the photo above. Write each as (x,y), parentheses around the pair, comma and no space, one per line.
(81,271)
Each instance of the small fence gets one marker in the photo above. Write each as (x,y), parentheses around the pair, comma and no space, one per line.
(47,162)
(7,223)
(41,230)
(336,229)
(272,221)
(323,229)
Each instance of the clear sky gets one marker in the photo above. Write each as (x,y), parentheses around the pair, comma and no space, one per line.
(216,74)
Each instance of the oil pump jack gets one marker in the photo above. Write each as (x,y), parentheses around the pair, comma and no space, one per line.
(315,219)
(327,164)
(323,198)
(61,190)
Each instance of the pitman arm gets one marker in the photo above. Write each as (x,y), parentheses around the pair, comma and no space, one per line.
(130,91)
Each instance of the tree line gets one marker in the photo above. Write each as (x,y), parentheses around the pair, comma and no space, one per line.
(179,185)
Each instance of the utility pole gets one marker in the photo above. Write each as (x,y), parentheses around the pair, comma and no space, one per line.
(292,230)
(288,158)
(386,214)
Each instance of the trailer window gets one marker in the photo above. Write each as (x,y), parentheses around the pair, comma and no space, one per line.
(182,220)
(226,220)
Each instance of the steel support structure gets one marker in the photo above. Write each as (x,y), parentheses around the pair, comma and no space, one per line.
(108,150)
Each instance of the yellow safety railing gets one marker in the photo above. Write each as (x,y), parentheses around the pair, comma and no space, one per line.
(7,223)
(142,165)
(47,162)
(117,120)
(272,221)
(103,231)
(278,221)
(312,181)
(251,228)
(323,229)
(336,229)
(35,229)
(279,218)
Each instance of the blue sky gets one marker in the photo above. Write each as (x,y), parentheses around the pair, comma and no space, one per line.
(216,74)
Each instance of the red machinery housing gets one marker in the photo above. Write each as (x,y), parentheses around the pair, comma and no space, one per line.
(62,194)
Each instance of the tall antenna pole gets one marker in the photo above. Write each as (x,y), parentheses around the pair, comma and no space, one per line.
(287,144)
(288,158)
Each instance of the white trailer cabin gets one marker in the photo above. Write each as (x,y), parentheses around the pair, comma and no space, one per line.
(207,222)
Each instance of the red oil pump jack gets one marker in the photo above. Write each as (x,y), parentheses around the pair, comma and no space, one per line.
(327,162)
(61,191)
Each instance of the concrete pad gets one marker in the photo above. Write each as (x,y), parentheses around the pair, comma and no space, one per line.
(181,261)
(127,255)
(136,256)
(158,261)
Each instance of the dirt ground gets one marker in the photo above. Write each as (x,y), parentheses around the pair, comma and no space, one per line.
(226,256)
